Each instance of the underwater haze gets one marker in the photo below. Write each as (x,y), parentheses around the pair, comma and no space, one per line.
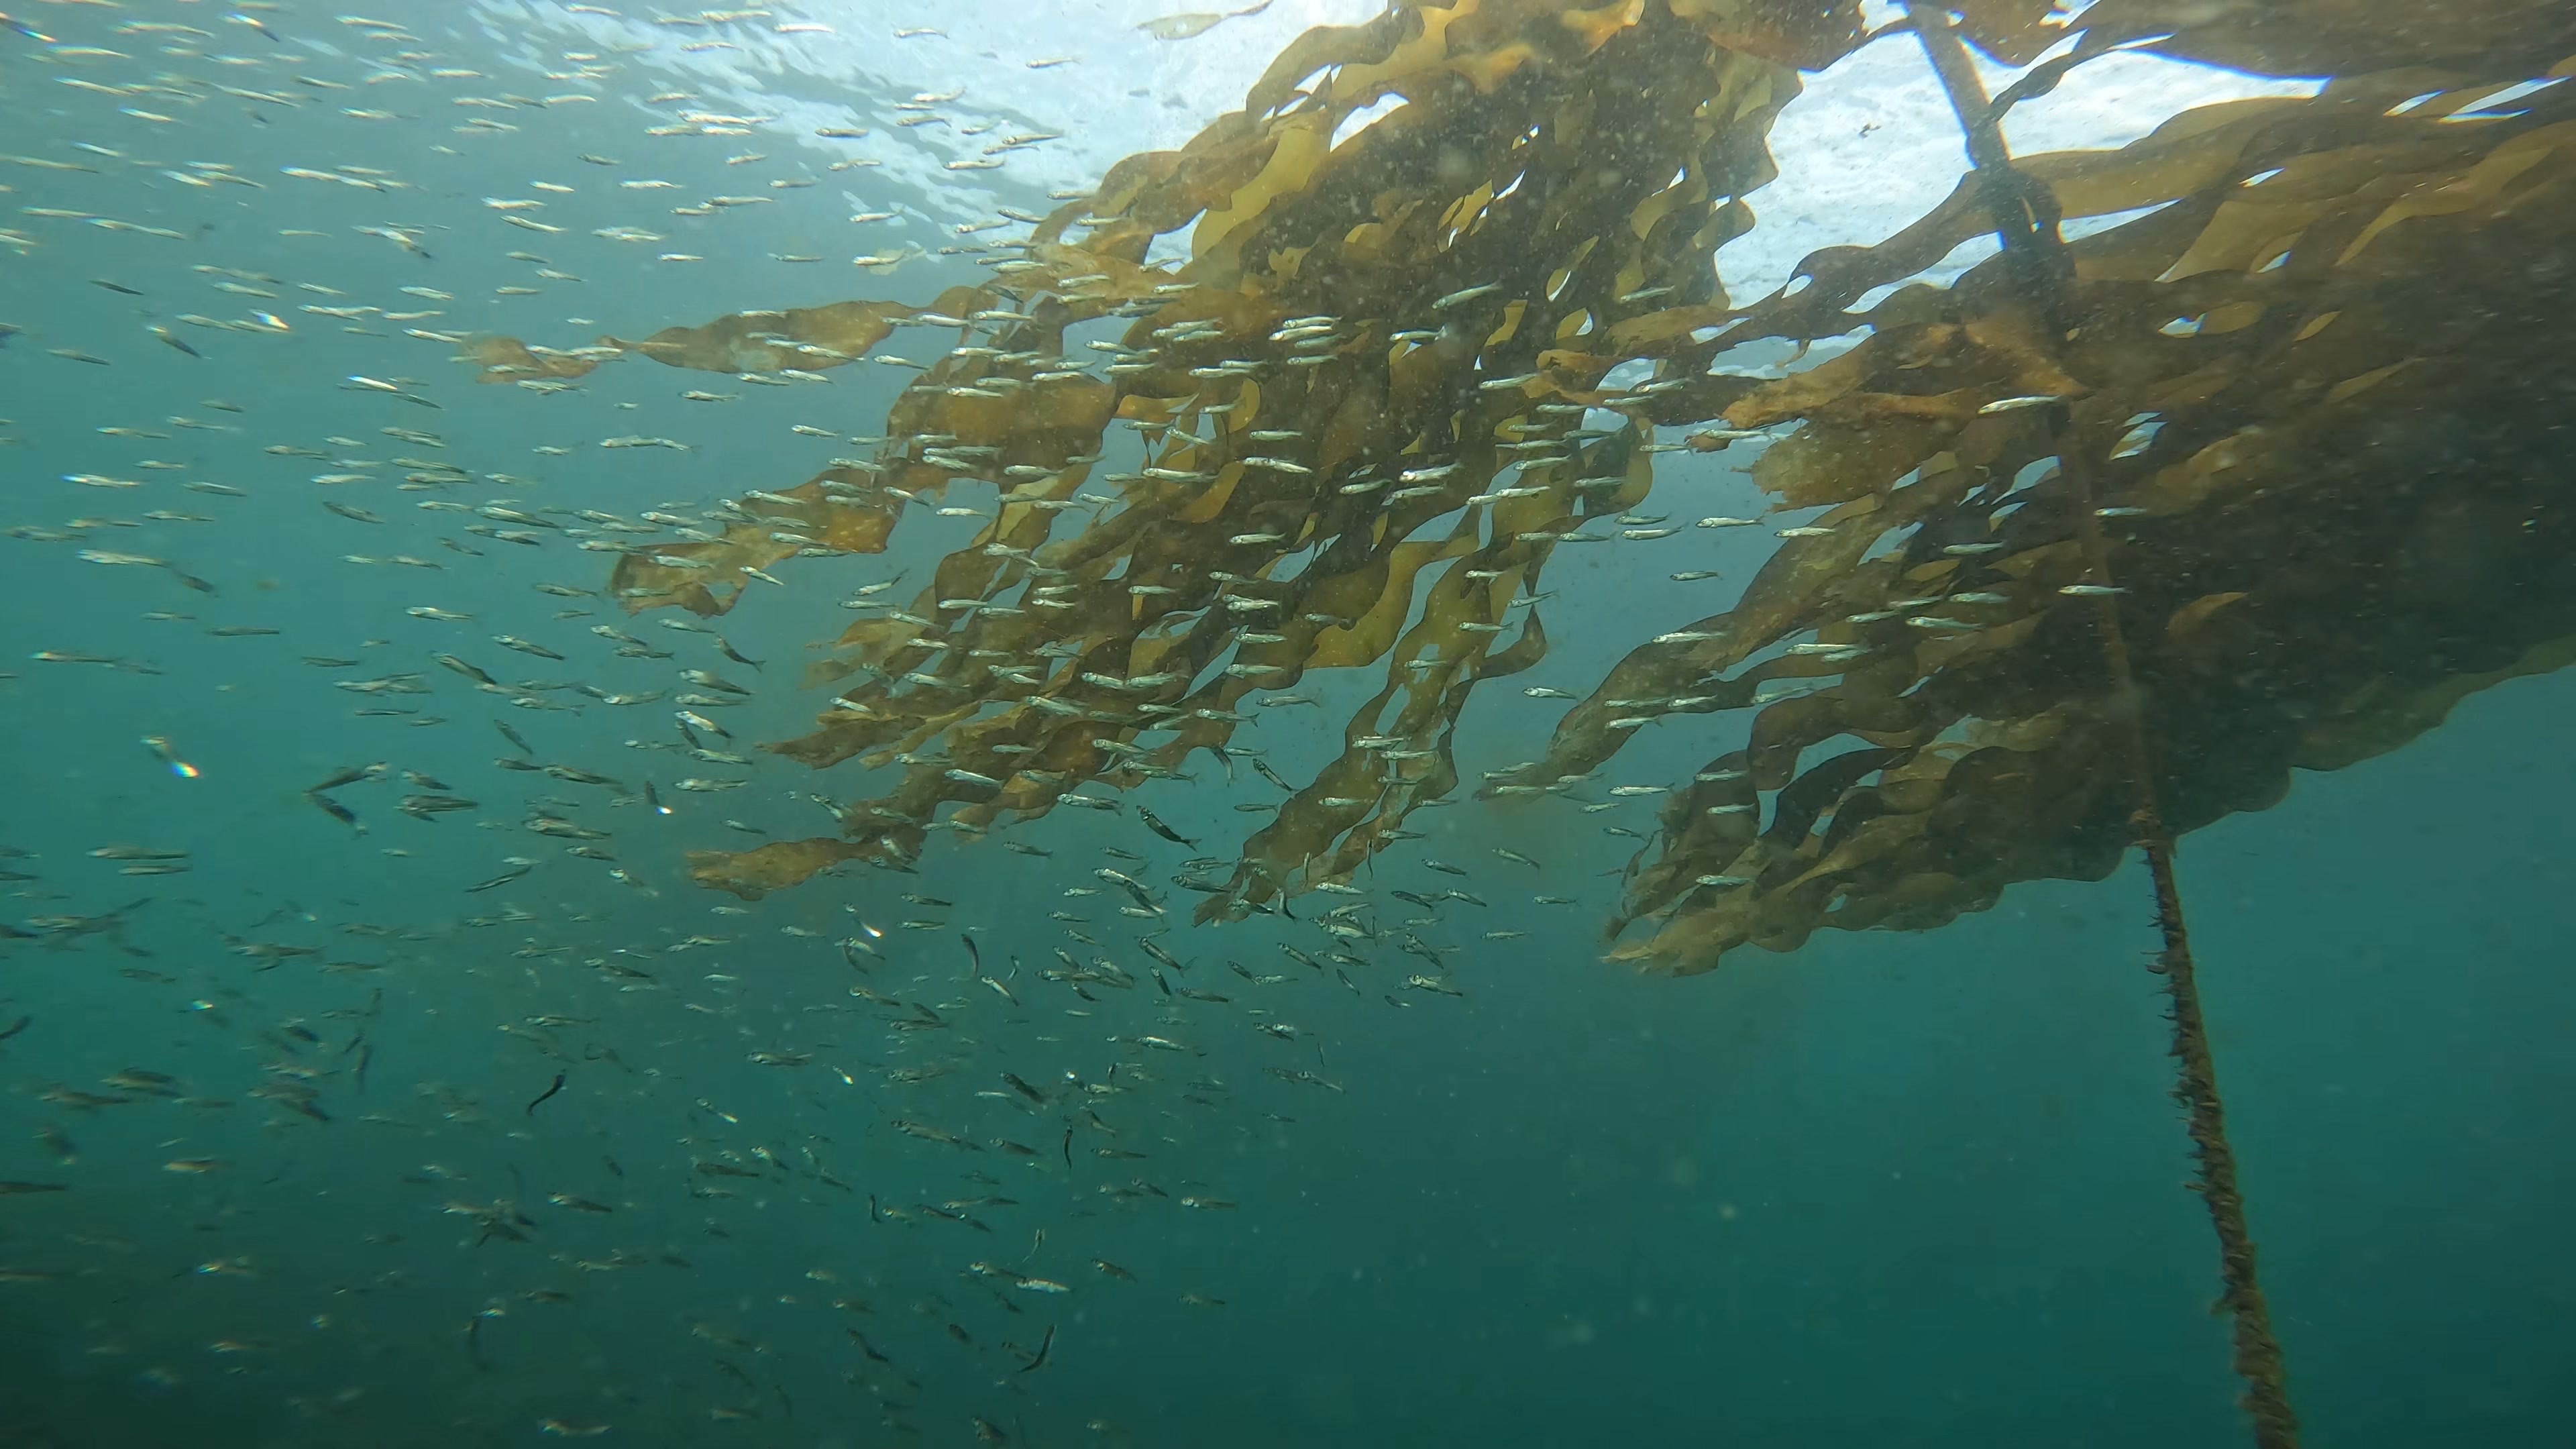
(374,1070)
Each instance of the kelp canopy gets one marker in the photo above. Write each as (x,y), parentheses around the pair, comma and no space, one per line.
(2292,425)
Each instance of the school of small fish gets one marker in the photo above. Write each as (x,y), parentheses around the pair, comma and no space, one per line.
(939,1085)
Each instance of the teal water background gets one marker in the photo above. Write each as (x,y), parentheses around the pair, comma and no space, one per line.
(1901,1190)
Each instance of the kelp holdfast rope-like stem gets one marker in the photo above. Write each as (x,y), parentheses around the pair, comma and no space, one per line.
(2026,226)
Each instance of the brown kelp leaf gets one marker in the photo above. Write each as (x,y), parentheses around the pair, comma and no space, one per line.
(2289,422)
(1184,26)
(2200,390)
(1808,36)
(752,874)
(2517,38)
(2380,721)
(838,511)
(506,359)
(801,338)
(1369,636)
(808,338)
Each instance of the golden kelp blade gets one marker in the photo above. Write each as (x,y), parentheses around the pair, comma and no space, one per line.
(1416,321)
(802,338)
(752,874)
(507,359)
(840,510)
